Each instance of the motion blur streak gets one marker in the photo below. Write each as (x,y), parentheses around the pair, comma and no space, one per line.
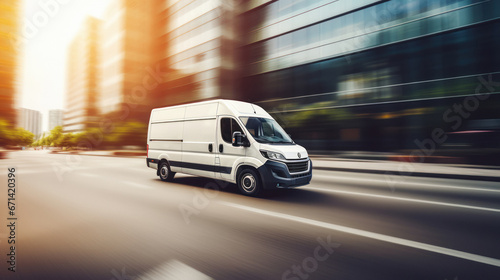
(397,103)
(409,200)
(125,221)
(373,235)
(375,77)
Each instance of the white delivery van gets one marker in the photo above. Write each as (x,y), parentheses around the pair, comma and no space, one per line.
(226,140)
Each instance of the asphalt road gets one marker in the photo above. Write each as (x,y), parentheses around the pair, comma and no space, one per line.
(92,217)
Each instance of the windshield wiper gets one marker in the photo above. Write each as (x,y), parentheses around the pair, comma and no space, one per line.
(284,142)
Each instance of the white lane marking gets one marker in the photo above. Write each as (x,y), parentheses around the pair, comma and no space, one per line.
(408,183)
(406,199)
(372,235)
(174,270)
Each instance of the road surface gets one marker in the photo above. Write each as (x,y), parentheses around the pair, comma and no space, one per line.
(94,217)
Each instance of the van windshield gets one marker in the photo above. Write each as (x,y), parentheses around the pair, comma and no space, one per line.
(266,130)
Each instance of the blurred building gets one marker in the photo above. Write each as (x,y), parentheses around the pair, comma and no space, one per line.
(9,30)
(55,118)
(82,77)
(30,120)
(339,75)
(367,75)
(198,50)
(126,46)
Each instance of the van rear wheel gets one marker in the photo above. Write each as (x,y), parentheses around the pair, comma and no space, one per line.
(165,173)
(249,182)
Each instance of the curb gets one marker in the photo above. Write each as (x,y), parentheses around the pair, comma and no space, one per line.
(129,154)
(112,154)
(414,174)
(396,158)
(429,159)
(3,154)
(353,170)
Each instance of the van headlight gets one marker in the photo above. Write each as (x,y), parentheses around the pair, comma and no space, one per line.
(272,155)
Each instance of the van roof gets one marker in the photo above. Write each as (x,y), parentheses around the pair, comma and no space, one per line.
(229,107)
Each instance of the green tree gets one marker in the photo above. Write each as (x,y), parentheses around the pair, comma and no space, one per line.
(22,137)
(128,133)
(55,137)
(94,137)
(18,136)
(80,139)
(45,141)
(66,140)
(6,133)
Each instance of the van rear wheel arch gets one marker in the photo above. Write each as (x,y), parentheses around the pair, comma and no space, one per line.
(164,171)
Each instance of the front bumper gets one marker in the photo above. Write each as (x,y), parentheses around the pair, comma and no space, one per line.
(275,175)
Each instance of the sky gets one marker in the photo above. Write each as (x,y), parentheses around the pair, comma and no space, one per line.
(47,28)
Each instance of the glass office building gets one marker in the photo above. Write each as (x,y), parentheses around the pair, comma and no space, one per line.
(10,44)
(368,75)
(82,78)
(197,50)
(31,120)
(126,53)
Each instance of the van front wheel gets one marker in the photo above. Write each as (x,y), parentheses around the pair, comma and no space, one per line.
(165,173)
(249,182)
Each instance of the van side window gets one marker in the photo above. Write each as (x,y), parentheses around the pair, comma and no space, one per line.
(227,127)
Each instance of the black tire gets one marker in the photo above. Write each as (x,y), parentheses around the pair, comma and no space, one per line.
(249,182)
(164,172)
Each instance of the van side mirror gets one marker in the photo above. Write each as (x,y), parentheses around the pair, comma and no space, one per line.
(239,139)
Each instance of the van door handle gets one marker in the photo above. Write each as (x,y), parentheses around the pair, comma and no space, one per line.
(210,147)
(221,148)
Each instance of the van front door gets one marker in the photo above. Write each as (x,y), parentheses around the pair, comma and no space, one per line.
(226,153)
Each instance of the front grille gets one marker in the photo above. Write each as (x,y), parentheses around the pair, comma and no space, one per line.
(295,167)
(301,175)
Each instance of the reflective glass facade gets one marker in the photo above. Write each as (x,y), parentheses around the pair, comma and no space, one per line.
(82,92)
(198,50)
(383,65)
(9,50)
(127,37)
